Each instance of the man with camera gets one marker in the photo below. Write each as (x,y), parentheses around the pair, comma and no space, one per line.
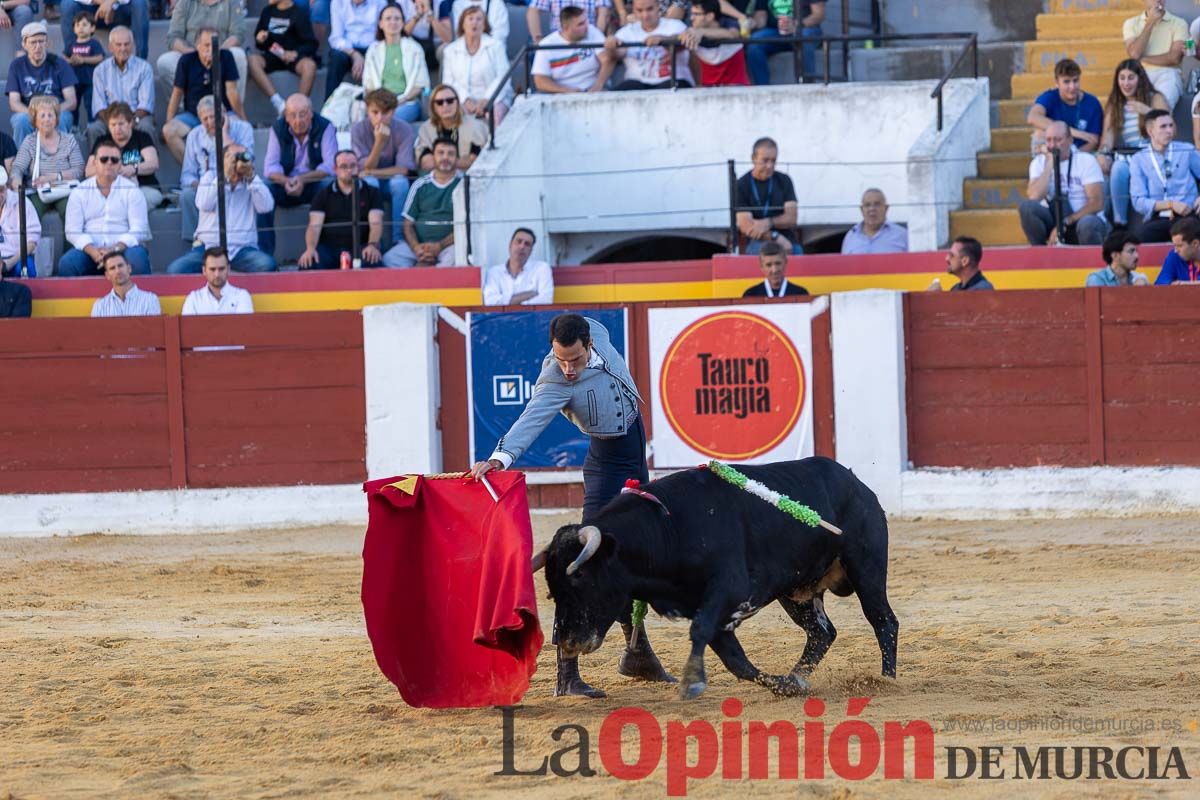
(246,196)
(1066,194)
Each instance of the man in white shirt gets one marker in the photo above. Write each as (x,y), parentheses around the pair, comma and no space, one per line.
(519,281)
(1082,201)
(218,295)
(125,299)
(649,66)
(10,233)
(246,196)
(566,71)
(106,213)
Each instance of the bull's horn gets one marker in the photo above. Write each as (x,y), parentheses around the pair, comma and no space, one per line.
(589,537)
(539,559)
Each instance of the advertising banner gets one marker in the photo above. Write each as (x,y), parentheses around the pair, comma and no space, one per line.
(731,383)
(504,357)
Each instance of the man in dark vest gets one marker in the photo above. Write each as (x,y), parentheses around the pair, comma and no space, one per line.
(300,155)
(585,379)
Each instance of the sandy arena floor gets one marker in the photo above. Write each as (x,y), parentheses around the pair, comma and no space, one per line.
(238,666)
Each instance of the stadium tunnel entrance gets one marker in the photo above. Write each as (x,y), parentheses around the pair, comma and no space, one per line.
(656,248)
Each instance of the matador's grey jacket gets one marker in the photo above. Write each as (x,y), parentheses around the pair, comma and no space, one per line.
(602,401)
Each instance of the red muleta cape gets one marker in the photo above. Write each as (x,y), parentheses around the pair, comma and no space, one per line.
(447,590)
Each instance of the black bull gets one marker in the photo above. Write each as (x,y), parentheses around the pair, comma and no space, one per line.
(720,556)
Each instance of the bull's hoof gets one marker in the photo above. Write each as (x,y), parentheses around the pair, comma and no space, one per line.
(690,691)
(644,665)
(577,687)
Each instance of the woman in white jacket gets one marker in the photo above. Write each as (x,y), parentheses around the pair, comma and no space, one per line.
(396,63)
(475,64)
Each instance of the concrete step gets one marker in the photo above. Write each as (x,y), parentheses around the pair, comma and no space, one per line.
(1011,140)
(1096,55)
(1130,7)
(1028,85)
(1096,25)
(998,226)
(1003,165)
(983,193)
(1014,112)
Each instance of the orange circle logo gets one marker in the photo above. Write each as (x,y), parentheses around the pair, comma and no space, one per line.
(732,385)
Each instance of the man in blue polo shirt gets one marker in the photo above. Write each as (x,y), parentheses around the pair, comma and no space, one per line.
(1182,264)
(1070,104)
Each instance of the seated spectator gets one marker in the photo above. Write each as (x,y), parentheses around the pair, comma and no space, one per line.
(354,26)
(1121,255)
(669,9)
(330,231)
(286,43)
(125,299)
(596,14)
(200,155)
(105,14)
(8,152)
(566,71)
(809,15)
(83,53)
(1157,38)
(246,197)
(1081,203)
(217,295)
(15,300)
(1162,179)
(16,14)
(772,259)
(122,78)
(447,121)
(1131,99)
(10,234)
(139,156)
(875,234)
(963,262)
(421,25)
(1182,264)
(519,281)
(766,202)
(39,73)
(106,213)
(1070,104)
(495,14)
(475,64)
(396,63)
(225,18)
(299,162)
(720,64)
(193,81)
(429,214)
(47,156)
(384,146)
(649,66)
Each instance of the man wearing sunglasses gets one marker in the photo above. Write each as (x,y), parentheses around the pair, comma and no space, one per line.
(1162,179)
(105,214)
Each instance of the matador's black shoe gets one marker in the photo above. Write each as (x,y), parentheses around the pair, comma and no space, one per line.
(639,661)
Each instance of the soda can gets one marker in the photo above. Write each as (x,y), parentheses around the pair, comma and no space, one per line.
(345,259)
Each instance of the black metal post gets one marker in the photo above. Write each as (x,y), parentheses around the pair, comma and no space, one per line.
(1060,224)
(975,56)
(467,210)
(219,137)
(733,229)
(939,99)
(355,244)
(825,47)
(674,78)
(24,230)
(797,62)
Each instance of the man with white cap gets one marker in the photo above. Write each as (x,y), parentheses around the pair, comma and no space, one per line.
(39,72)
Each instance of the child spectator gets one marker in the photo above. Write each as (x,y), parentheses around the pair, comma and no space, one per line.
(84,54)
(285,41)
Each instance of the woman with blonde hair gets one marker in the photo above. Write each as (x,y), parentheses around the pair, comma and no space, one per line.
(47,156)
(397,63)
(475,64)
(1132,97)
(446,119)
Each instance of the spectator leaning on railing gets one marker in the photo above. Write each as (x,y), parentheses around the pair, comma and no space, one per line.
(765,202)
(217,295)
(476,65)
(125,299)
(1157,38)
(105,213)
(568,71)
(10,233)
(596,13)
(1162,179)
(1080,202)
(721,64)
(875,234)
(395,62)
(1068,103)
(35,73)
(122,78)
(429,214)
(1121,257)
(519,281)
(200,155)
(647,63)
(1182,264)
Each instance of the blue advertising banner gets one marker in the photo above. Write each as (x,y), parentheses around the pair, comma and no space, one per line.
(504,356)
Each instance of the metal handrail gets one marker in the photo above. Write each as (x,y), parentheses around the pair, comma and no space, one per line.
(797,42)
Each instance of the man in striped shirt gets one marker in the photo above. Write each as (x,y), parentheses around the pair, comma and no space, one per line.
(125,299)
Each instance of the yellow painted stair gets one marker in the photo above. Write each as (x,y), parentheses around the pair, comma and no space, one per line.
(993,226)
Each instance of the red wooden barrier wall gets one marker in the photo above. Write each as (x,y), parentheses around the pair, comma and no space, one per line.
(122,404)
(1068,377)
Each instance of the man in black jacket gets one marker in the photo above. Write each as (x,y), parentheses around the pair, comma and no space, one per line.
(772,258)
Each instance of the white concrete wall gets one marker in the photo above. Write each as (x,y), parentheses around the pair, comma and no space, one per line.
(657,160)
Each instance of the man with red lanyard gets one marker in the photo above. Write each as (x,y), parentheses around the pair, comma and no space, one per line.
(1182,264)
